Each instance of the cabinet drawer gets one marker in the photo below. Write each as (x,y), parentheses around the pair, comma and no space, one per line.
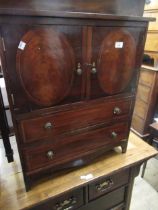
(107,184)
(143,93)
(73,147)
(140,108)
(108,201)
(68,121)
(138,124)
(71,200)
(147,77)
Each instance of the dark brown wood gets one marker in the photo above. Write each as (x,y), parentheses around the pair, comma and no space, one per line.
(133,173)
(109,73)
(153,134)
(33,129)
(107,184)
(74,147)
(71,86)
(4,130)
(108,201)
(108,69)
(50,90)
(42,66)
(119,7)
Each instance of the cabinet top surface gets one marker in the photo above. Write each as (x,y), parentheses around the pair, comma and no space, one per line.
(12,185)
(65,7)
(70,14)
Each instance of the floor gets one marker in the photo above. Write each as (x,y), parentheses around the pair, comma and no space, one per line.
(151,173)
(145,191)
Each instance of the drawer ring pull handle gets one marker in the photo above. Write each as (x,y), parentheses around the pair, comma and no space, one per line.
(79,70)
(92,66)
(94,69)
(105,185)
(67,204)
(50,154)
(114,135)
(117,110)
(48,125)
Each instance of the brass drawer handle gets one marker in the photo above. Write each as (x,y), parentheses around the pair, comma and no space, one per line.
(48,125)
(92,66)
(117,111)
(114,135)
(94,69)
(67,204)
(105,185)
(79,70)
(50,155)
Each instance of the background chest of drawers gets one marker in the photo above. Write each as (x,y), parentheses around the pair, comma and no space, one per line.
(71,80)
(147,95)
(146,101)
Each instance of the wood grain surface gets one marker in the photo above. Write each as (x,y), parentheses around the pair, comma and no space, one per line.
(116,64)
(42,66)
(69,121)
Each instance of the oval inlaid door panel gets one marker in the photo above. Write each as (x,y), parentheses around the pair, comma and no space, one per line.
(45,64)
(116,61)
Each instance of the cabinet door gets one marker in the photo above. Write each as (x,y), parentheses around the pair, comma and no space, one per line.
(44,64)
(114,61)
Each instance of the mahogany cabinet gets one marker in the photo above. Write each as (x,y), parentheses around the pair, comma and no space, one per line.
(71,81)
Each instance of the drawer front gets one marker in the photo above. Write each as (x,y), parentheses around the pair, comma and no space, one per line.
(143,93)
(147,77)
(68,121)
(76,146)
(108,201)
(141,109)
(71,200)
(151,5)
(151,42)
(138,124)
(107,184)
